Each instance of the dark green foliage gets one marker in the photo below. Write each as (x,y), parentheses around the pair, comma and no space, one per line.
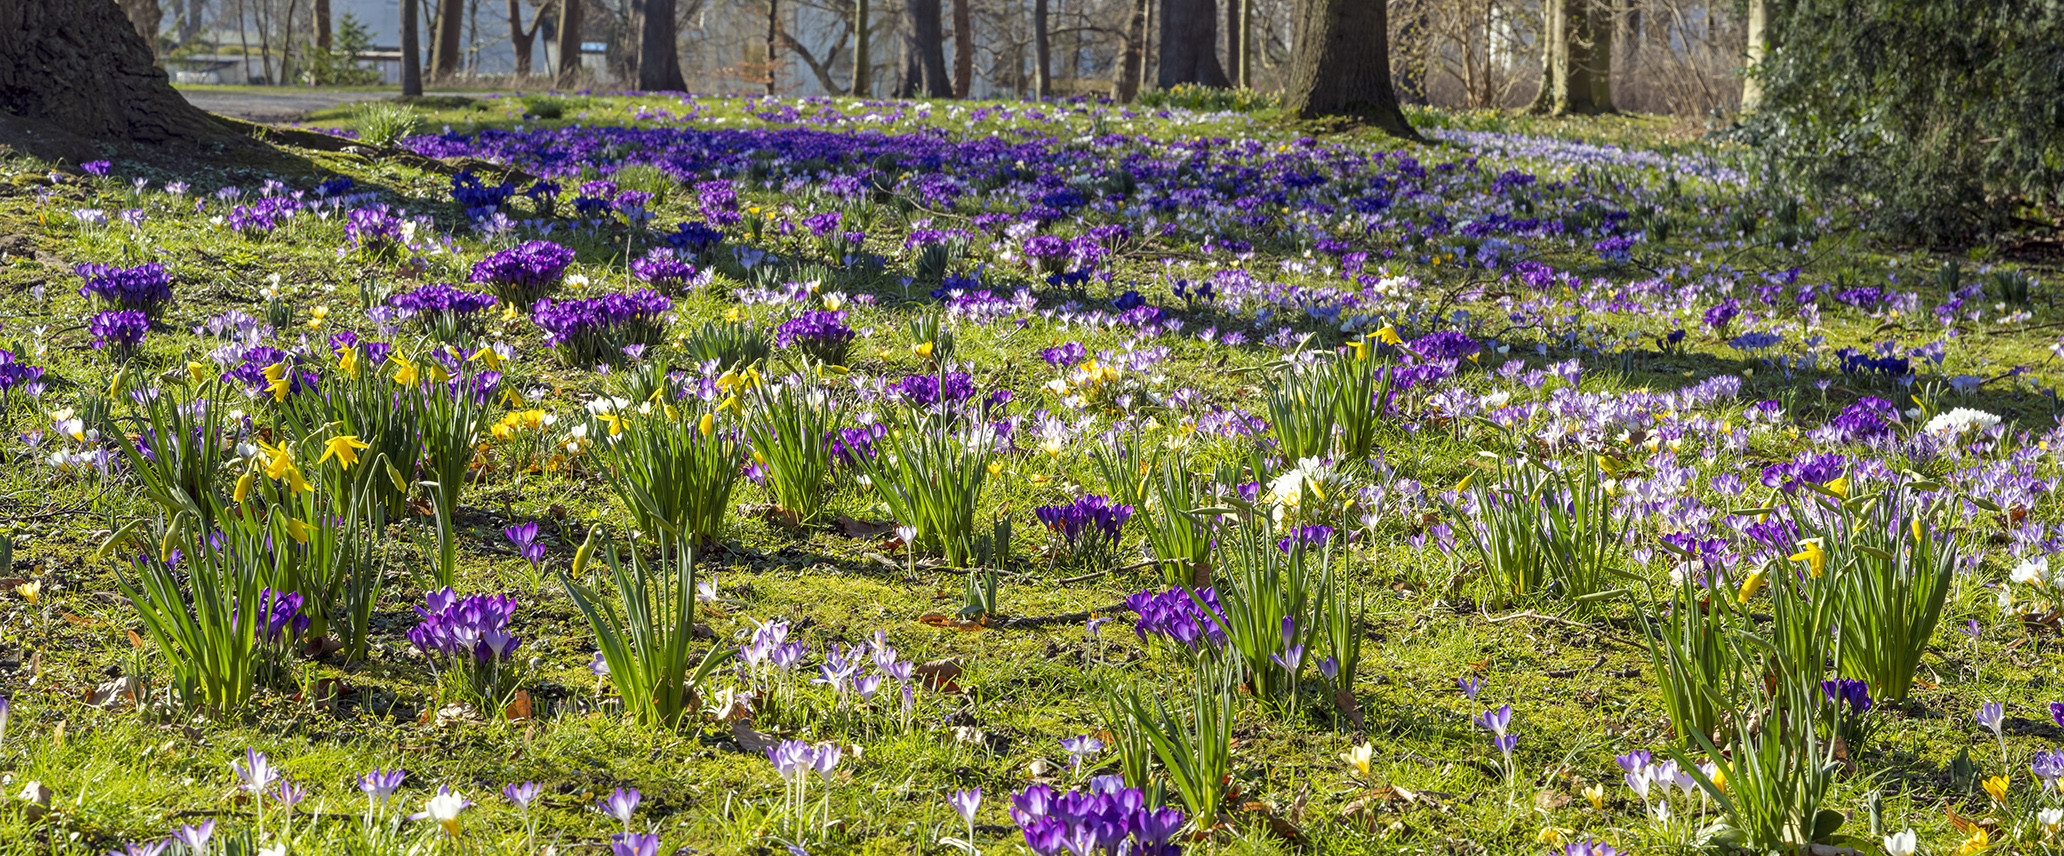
(1944,119)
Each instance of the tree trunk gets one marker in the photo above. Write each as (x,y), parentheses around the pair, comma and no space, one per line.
(568,72)
(411,52)
(444,53)
(1238,22)
(659,65)
(81,67)
(1189,44)
(1342,65)
(863,72)
(924,52)
(1758,25)
(963,49)
(519,38)
(322,24)
(1573,90)
(1553,41)
(1132,63)
(1042,53)
(773,41)
(1605,24)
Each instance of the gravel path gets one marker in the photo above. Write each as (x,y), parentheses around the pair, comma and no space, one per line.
(286,104)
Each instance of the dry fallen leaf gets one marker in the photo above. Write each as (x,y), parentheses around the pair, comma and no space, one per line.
(518,707)
(939,674)
(852,528)
(948,623)
(113,694)
(749,740)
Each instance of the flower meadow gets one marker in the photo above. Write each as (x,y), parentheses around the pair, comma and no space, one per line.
(818,476)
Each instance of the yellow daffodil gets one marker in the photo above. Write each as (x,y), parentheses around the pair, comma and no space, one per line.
(197,371)
(344,448)
(1750,586)
(404,371)
(707,424)
(487,357)
(437,373)
(1359,348)
(1815,558)
(278,381)
(1388,335)
(243,487)
(348,361)
(1358,758)
(1917,529)
(1997,787)
(1463,485)
(297,530)
(730,405)
(1838,487)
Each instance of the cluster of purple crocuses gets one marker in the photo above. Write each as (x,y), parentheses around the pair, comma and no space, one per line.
(1108,818)
(1090,523)
(145,288)
(1174,614)
(598,329)
(524,274)
(822,335)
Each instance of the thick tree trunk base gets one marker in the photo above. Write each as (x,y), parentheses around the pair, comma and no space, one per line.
(80,66)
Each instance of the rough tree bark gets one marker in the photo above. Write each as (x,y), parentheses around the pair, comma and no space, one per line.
(322,24)
(568,72)
(924,52)
(659,66)
(863,63)
(1132,63)
(963,48)
(81,67)
(411,52)
(1341,66)
(1042,53)
(444,53)
(1189,44)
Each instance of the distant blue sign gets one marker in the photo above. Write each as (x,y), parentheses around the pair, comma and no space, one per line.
(594,47)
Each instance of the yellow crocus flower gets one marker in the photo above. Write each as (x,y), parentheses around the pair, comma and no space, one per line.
(1997,787)
(1979,842)
(1358,758)
(923,350)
